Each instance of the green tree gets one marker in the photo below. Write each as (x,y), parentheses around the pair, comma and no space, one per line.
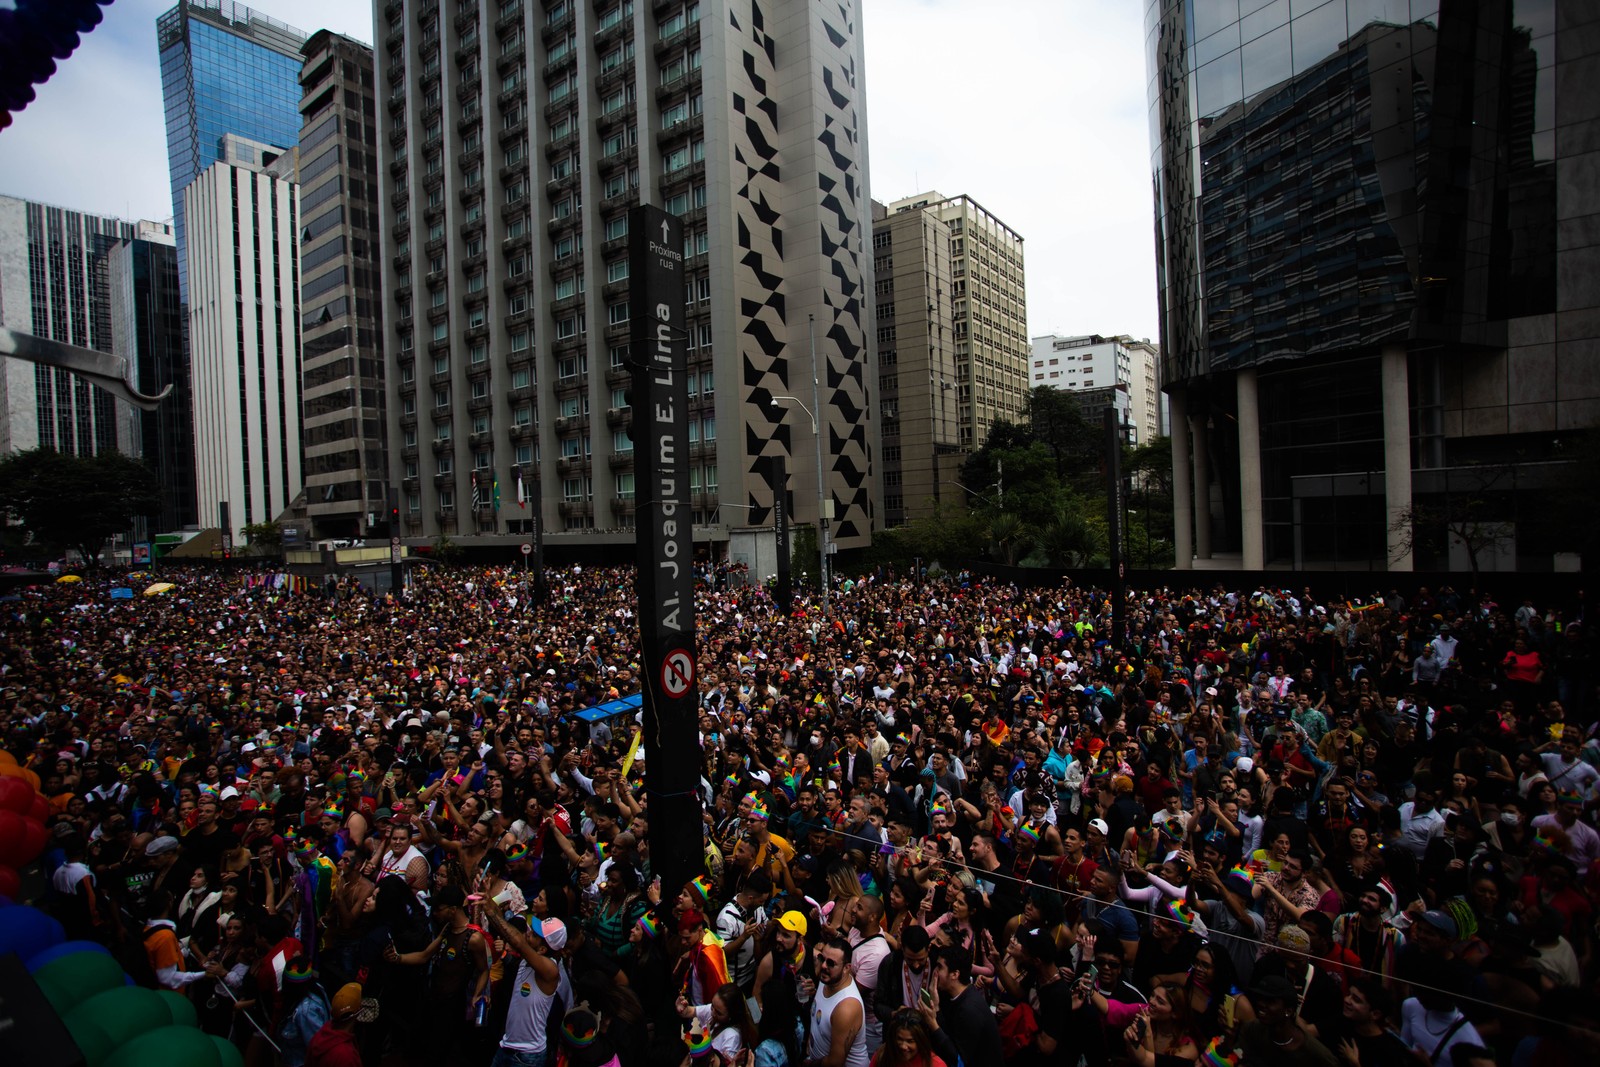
(1056,421)
(1008,536)
(264,538)
(79,502)
(445,550)
(803,555)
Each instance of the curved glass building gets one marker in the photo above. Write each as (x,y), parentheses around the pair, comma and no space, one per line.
(1379,271)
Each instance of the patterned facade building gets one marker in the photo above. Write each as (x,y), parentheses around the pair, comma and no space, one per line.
(517,135)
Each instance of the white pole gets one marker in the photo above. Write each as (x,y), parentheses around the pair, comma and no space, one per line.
(822,486)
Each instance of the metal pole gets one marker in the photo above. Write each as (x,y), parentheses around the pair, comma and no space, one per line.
(822,486)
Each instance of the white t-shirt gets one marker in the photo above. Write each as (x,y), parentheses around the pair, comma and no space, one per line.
(1425,1030)
(530,1009)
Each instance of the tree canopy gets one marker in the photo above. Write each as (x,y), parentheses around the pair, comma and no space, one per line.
(79,502)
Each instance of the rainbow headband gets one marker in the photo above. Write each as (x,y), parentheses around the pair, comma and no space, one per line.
(1172,829)
(1215,1056)
(302,845)
(306,973)
(516,853)
(1180,912)
(759,811)
(649,925)
(699,1041)
(1028,833)
(1242,872)
(702,885)
(576,1038)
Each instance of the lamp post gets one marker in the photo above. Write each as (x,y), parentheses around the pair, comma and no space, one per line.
(822,497)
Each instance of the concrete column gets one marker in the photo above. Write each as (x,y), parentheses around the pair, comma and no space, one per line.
(1202,488)
(1182,497)
(1249,471)
(1396,383)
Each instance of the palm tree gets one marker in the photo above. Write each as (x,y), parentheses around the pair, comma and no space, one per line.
(1007,537)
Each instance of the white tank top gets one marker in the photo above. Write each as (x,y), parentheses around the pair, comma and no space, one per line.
(822,1007)
(398,866)
(529,1012)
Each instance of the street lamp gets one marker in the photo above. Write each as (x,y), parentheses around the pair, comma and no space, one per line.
(821,495)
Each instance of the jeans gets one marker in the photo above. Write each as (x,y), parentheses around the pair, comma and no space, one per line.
(504,1057)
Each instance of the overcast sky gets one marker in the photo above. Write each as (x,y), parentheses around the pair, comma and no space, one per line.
(1034,108)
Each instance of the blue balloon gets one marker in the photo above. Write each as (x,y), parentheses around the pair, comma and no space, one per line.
(28,931)
(66,948)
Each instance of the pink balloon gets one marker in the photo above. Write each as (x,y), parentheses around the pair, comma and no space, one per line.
(34,839)
(41,808)
(16,795)
(10,882)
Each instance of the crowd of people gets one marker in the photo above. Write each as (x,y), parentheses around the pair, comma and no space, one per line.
(949,821)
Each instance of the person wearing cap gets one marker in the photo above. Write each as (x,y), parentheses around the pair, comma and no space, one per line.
(335,1044)
(1275,1036)
(540,980)
(786,956)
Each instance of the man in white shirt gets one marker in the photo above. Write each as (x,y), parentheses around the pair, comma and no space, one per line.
(1420,821)
(869,948)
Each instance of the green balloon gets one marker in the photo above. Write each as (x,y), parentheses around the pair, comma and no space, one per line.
(181,1007)
(169,1046)
(93,1042)
(227,1052)
(70,980)
(123,1013)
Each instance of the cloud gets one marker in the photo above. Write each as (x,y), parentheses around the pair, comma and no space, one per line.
(1036,109)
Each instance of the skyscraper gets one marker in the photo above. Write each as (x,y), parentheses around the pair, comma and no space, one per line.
(224,69)
(952,341)
(1379,308)
(518,135)
(346,471)
(54,283)
(1077,364)
(147,328)
(244,337)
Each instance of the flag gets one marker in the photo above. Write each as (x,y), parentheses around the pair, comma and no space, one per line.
(522,492)
(477,495)
(495,485)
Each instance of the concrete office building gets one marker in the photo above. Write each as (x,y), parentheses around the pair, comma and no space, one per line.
(225,69)
(1378,290)
(1077,364)
(244,333)
(346,467)
(952,342)
(55,283)
(147,328)
(518,134)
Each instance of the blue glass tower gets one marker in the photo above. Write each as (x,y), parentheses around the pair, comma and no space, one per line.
(224,69)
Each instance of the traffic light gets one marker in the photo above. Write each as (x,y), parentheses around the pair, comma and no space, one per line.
(34,35)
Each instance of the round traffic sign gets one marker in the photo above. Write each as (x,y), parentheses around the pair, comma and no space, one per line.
(677,673)
(527,549)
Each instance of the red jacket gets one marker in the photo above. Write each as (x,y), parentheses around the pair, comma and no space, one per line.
(333,1047)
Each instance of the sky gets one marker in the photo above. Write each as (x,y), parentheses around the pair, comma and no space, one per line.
(1034,108)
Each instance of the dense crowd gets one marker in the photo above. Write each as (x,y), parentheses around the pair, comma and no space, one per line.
(950,822)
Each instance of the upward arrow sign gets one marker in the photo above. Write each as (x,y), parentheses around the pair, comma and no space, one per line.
(663,231)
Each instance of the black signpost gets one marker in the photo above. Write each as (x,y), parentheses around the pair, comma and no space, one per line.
(658,357)
(777,472)
(397,579)
(1115,515)
(225,521)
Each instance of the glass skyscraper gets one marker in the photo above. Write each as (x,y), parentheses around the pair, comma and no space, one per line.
(224,69)
(1376,316)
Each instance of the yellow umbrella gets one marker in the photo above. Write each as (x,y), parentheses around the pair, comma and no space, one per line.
(159,587)
(68,579)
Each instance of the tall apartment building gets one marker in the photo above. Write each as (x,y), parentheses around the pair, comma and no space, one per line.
(55,283)
(346,468)
(244,338)
(952,341)
(518,136)
(147,328)
(1095,362)
(225,69)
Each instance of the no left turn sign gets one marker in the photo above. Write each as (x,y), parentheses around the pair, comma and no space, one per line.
(677,673)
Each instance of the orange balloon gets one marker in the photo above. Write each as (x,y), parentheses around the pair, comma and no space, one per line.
(7,759)
(13,771)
